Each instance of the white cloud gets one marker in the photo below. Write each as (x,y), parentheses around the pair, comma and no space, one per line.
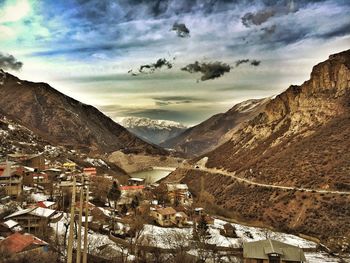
(14,11)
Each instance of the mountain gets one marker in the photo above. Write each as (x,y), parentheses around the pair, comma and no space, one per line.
(64,121)
(300,140)
(216,130)
(16,138)
(153,131)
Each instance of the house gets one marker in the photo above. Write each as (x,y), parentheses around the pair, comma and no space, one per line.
(178,194)
(168,216)
(69,166)
(90,171)
(47,204)
(136,181)
(180,219)
(8,227)
(132,188)
(271,251)
(163,216)
(20,243)
(36,161)
(11,178)
(34,217)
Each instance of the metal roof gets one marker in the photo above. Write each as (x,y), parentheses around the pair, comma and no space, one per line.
(261,250)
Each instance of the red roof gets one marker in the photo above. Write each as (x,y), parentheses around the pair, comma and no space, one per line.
(18,242)
(132,187)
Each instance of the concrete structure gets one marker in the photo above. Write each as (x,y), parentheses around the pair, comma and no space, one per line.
(178,194)
(11,179)
(272,251)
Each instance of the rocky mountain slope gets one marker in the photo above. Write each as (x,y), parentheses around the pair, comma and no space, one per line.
(216,130)
(64,121)
(153,131)
(300,139)
(16,138)
(302,136)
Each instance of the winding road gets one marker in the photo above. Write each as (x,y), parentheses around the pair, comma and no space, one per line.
(247,181)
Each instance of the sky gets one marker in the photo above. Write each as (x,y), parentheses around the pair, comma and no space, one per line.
(92,50)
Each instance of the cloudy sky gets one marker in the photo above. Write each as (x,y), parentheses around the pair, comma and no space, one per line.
(85,48)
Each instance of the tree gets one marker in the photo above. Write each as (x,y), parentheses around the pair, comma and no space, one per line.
(201,234)
(114,195)
(100,186)
(202,230)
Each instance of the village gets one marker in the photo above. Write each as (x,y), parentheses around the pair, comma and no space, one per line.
(59,212)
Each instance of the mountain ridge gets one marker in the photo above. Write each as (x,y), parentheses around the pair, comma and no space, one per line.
(62,120)
(216,130)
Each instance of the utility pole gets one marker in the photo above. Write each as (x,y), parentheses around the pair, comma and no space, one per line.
(71,224)
(81,201)
(86,222)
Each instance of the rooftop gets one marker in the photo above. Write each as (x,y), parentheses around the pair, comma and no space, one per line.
(19,242)
(261,249)
(166,211)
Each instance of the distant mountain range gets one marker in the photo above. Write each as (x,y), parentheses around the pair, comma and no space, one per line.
(216,130)
(64,121)
(153,131)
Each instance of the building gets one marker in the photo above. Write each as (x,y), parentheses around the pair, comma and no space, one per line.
(178,194)
(136,181)
(11,178)
(69,166)
(272,251)
(168,216)
(163,216)
(20,243)
(34,217)
(90,171)
(36,161)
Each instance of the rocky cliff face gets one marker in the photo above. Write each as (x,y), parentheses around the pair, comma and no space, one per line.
(62,120)
(305,128)
(216,130)
(300,139)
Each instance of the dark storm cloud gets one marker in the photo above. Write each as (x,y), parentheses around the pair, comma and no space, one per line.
(340,31)
(252,62)
(8,61)
(151,68)
(255,62)
(269,30)
(276,9)
(241,61)
(181,30)
(210,70)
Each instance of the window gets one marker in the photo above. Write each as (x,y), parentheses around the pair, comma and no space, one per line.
(274,258)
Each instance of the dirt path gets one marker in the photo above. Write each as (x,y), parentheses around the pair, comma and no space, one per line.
(244,180)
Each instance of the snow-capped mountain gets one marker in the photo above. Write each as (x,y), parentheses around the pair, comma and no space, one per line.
(155,131)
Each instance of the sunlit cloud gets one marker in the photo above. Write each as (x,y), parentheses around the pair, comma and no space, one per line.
(13,11)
